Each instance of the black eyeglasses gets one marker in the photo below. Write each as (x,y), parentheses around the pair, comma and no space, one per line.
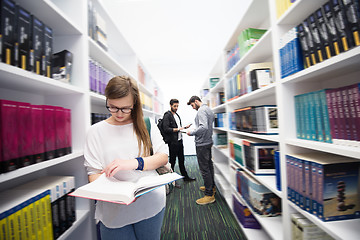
(116,109)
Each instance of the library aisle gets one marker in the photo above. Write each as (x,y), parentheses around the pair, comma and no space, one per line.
(184,219)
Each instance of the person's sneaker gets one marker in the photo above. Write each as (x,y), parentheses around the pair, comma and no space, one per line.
(205,200)
(202,188)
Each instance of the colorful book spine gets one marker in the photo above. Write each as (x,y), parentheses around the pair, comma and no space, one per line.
(9,131)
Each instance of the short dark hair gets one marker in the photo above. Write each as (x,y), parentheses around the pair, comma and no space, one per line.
(192,99)
(172,101)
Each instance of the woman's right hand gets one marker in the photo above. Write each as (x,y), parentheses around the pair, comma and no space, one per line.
(118,165)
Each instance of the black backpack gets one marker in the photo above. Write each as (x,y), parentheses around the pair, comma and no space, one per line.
(160,125)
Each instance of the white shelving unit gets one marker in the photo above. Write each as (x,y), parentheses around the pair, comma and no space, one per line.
(68,20)
(337,71)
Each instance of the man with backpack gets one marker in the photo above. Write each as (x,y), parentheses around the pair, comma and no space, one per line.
(171,127)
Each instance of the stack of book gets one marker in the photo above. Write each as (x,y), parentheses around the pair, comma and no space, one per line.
(244,215)
(258,197)
(329,115)
(40,209)
(220,119)
(282,6)
(303,229)
(26,41)
(251,78)
(98,76)
(325,185)
(245,41)
(32,133)
(328,31)
(257,119)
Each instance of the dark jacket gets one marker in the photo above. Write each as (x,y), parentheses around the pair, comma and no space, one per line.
(168,125)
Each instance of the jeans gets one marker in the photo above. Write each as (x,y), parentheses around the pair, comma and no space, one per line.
(206,166)
(146,229)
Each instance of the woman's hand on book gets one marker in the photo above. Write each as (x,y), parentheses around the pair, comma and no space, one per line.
(118,165)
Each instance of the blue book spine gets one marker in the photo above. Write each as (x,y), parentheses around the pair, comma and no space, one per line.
(312,116)
(318,118)
(325,116)
(277,170)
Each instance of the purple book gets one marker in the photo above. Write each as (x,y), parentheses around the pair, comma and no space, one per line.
(38,133)
(354,97)
(60,124)
(49,131)
(341,119)
(25,135)
(9,135)
(333,114)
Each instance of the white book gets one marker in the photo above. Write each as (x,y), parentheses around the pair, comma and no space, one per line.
(110,189)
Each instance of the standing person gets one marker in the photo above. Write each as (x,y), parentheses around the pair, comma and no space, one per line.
(120,146)
(172,127)
(203,141)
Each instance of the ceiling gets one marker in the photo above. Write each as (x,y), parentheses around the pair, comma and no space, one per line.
(178,42)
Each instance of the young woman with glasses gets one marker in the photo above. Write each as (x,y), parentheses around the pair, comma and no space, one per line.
(120,146)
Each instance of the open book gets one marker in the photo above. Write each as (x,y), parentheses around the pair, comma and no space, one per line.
(110,189)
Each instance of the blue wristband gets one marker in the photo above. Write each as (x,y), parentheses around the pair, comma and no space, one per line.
(140,163)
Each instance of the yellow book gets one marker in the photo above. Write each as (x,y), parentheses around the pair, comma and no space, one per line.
(48,217)
(4,228)
(32,220)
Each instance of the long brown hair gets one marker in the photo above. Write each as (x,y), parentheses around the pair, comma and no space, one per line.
(122,86)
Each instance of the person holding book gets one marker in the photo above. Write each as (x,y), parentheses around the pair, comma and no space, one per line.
(203,141)
(172,129)
(120,147)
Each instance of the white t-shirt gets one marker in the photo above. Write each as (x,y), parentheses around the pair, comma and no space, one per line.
(106,142)
(177,120)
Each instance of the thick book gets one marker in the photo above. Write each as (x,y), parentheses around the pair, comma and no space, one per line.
(110,189)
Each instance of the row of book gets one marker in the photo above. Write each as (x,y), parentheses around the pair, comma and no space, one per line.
(244,215)
(98,117)
(257,155)
(98,76)
(32,133)
(97,26)
(217,99)
(303,229)
(329,115)
(27,42)
(220,139)
(251,78)
(330,30)
(245,41)
(325,185)
(291,58)
(220,120)
(255,119)
(40,209)
(282,6)
(258,197)
(146,100)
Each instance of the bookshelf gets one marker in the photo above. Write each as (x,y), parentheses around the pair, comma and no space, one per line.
(68,19)
(339,70)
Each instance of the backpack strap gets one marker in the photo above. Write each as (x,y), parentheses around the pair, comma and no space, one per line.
(148,127)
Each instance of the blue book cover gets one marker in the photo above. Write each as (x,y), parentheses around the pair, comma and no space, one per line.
(325,116)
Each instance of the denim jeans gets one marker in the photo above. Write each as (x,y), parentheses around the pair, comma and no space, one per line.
(206,167)
(146,229)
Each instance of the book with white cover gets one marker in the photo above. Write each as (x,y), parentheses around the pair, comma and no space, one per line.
(110,189)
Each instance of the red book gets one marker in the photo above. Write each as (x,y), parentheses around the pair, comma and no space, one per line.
(38,133)
(9,135)
(68,131)
(25,134)
(60,141)
(49,131)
